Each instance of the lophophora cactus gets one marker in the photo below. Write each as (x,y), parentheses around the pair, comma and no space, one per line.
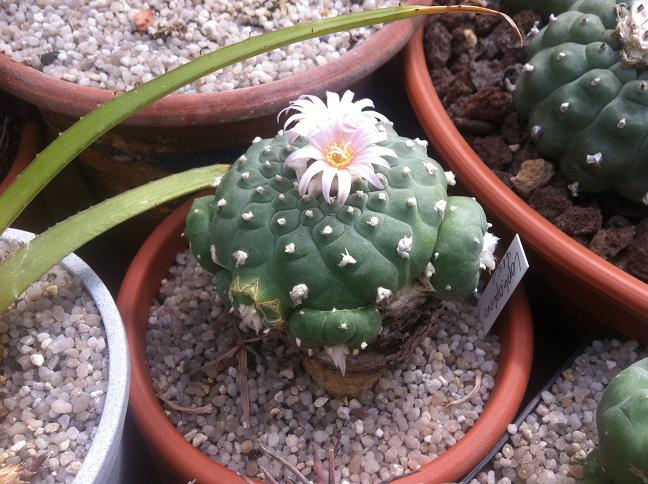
(543,7)
(622,423)
(288,254)
(585,92)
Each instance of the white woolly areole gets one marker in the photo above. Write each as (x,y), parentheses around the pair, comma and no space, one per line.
(429,166)
(595,159)
(644,199)
(440,207)
(328,230)
(382,294)
(250,318)
(247,216)
(240,257)
(487,256)
(221,203)
(404,247)
(299,293)
(290,248)
(632,29)
(429,270)
(373,221)
(217,181)
(574,189)
(450,178)
(338,355)
(346,259)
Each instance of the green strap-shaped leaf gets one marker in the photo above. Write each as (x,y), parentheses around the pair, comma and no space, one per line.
(26,265)
(88,129)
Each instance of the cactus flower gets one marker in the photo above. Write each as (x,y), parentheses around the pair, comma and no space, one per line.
(343,144)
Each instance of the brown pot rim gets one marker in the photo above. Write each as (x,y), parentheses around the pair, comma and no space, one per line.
(175,454)
(70,99)
(30,137)
(582,264)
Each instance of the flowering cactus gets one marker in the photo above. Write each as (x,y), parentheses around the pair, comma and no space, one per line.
(622,422)
(585,92)
(319,228)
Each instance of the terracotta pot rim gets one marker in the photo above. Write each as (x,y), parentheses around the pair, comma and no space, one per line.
(30,135)
(138,289)
(587,267)
(71,99)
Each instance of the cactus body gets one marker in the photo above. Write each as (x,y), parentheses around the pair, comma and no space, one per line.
(542,7)
(586,96)
(322,269)
(622,422)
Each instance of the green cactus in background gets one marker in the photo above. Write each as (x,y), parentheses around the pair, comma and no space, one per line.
(622,423)
(288,256)
(543,7)
(585,92)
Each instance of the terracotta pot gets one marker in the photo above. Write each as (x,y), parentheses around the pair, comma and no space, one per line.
(189,130)
(181,462)
(587,285)
(28,146)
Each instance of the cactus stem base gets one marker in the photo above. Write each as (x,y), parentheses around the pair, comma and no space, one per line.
(351,384)
(408,326)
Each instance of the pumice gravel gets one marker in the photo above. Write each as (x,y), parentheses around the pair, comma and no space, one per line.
(552,443)
(54,372)
(117,45)
(403,423)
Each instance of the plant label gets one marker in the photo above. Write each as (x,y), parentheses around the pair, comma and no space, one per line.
(503,282)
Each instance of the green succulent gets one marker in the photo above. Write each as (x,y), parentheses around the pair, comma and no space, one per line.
(543,7)
(323,270)
(585,93)
(622,423)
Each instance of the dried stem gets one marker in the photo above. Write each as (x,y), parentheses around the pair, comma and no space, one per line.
(318,468)
(268,476)
(331,465)
(473,392)
(286,464)
(195,410)
(243,385)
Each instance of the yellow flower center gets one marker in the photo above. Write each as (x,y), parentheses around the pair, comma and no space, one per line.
(339,154)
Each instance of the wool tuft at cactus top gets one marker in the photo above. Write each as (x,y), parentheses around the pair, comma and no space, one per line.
(585,92)
(324,270)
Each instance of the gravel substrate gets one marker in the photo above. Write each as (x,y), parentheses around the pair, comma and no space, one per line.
(394,429)
(116,44)
(474,63)
(552,443)
(54,375)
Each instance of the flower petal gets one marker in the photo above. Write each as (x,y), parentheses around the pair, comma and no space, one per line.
(328,174)
(344,186)
(313,170)
(308,152)
(367,173)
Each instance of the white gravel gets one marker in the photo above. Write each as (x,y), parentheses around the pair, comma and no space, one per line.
(54,374)
(96,43)
(552,443)
(394,429)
